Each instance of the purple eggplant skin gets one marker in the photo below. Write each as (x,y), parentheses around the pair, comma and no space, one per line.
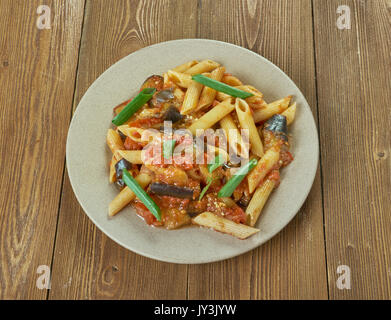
(154,81)
(119,166)
(164,189)
(164,96)
(172,114)
(277,124)
(160,97)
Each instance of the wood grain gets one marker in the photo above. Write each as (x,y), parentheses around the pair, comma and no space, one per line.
(37,77)
(88,265)
(345,73)
(354,90)
(291,265)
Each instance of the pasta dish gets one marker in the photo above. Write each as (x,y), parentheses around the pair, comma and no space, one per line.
(198,146)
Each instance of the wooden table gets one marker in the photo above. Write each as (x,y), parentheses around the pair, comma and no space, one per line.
(344,74)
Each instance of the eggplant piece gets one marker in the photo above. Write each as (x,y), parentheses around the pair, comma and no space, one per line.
(164,96)
(119,166)
(161,97)
(172,114)
(154,81)
(278,126)
(164,189)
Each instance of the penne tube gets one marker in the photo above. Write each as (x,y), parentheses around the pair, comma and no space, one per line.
(185,66)
(210,220)
(251,89)
(192,96)
(213,116)
(201,67)
(127,195)
(255,102)
(179,94)
(113,161)
(181,79)
(114,140)
(256,99)
(233,136)
(166,79)
(290,114)
(231,80)
(133,156)
(138,134)
(258,201)
(208,94)
(247,122)
(265,164)
(221,96)
(271,109)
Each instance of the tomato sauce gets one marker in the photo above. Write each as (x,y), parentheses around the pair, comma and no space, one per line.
(130,144)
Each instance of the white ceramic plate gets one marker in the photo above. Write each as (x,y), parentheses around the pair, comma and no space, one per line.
(88,155)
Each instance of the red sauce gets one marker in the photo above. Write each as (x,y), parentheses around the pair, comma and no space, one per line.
(234,213)
(144,213)
(147,122)
(286,157)
(130,144)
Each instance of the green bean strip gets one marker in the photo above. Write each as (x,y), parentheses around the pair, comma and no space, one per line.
(142,98)
(168,148)
(236,179)
(205,189)
(141,194)
(222,87)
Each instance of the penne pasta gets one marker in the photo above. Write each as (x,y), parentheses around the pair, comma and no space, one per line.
(247,122)
(179,94)
(258,201)
(290,114)
(221,96)
(181,79)
(127,195)
(213,116)
(233,136)
(191,97)
(210,220)
(191,153)
(113,161)
(231,80)
(271,109)
(114,140)
(265,164)
(256,100)
(208,94)
(133,133)
(201,67)
(185,66)
(133,156)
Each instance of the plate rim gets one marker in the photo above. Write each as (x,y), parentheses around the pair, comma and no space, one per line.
(211,259)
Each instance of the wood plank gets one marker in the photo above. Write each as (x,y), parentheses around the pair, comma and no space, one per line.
(87,264)
(353,68)
(37,79)
(292,264)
